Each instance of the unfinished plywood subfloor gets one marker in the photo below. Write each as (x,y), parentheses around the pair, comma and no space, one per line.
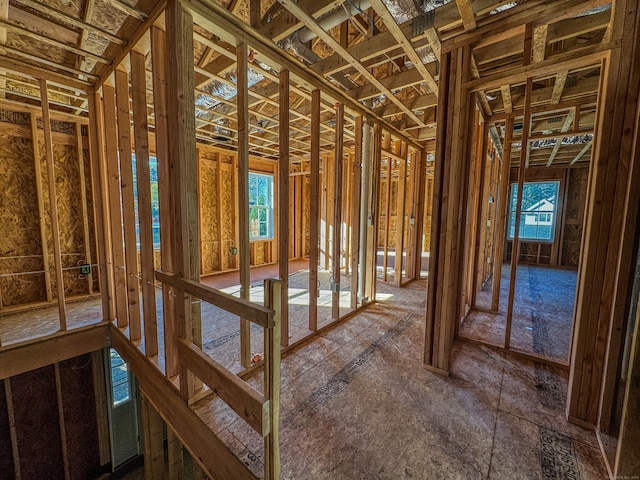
(356,403)
(542,312)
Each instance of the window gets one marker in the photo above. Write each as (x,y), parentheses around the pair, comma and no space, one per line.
(260,206)
(120,390)
(537,220)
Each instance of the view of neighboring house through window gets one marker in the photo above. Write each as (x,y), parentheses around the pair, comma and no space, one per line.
(260,206)
(538,217)
(155,204)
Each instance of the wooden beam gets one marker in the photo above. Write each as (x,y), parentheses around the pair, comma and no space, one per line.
(100,197)
(515,249)
(400,214)
(539,42)
(184,171)
(467,14)
(151,424)
(314,209)
(337,212)
(582,152)
(404,42)
(143,176)
(272,380)
(205,447)
(113,183)
(283,203)
(565,127)
(33,354)
(61,422)
(356,189)
(237,306)
(13,435)
(558,86)
(128,202)
(335,45)
(41,210)
(85,203)
(242,99)
(165,197)
(243,399)
(53,203)
(506,98)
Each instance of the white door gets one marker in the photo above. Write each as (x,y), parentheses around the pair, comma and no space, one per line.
(125,435)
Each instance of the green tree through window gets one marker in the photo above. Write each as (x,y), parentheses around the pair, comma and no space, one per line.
(260,206)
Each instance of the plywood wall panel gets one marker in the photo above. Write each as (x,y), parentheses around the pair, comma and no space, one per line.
(209,215)
(19,224)
(228,209)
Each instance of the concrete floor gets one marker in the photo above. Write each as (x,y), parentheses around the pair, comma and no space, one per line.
(357,404)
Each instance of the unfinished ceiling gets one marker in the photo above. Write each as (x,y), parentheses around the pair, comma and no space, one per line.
(381,55)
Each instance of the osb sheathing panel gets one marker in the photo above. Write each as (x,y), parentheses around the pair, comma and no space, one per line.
(209,226)
(228,211)
(19,224)
(306,191)
(259,248)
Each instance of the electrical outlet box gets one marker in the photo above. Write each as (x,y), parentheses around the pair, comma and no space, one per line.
(85,269)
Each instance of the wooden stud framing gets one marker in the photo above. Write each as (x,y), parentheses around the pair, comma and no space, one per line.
(337,212)
(100,192)
(128,207)
(12,428)
(113,173)
(83,196)
(151,424)
(242,98)
(501,217)
(41,212)
(355,213)
(283,203)
(141,135)
(55,229)
(183,158)
(61,422)
(515,248)
(272,379)
(165,198)
(102,414)
(400,214)
(314,210)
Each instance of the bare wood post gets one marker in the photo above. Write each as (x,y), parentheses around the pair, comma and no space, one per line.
(400,204)
(283,202)
(337,212)
(55,228)
(12,428)
(85,212)
(355,212)
(41,212)
(182,144)
(272,341)
(515,249)
(419,208)
(141,135)
(314,210)
(153,441)
(165,197)
(501,223)
(61,422)
(101,205)
(387,214)
(242,98)
(101,402)
(128,207)
(113,182)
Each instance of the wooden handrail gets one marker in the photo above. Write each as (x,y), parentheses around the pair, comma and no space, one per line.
(243,308)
